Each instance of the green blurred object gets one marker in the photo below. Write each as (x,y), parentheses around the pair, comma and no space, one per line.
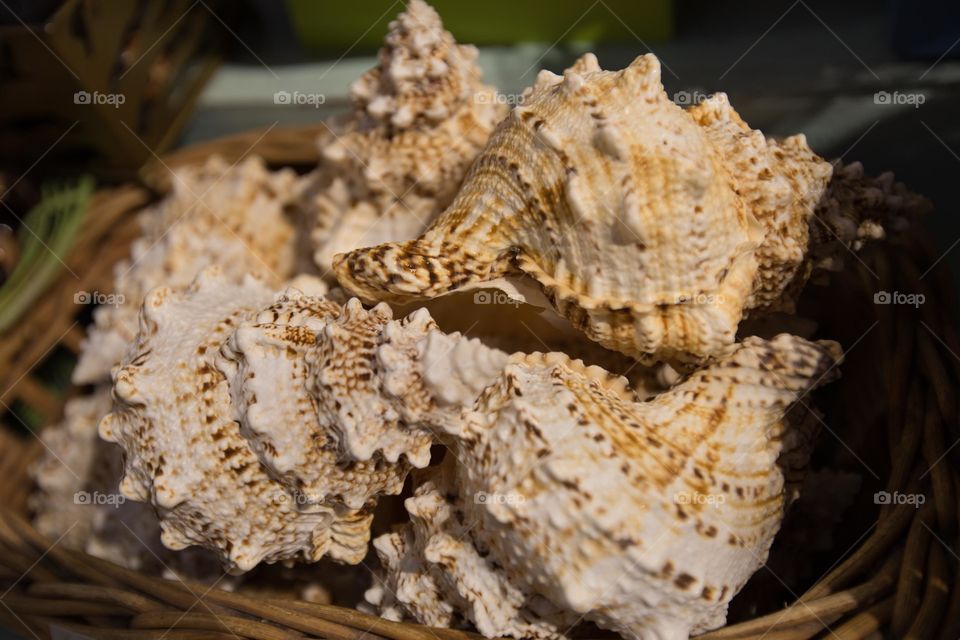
(363,23)
(45,236)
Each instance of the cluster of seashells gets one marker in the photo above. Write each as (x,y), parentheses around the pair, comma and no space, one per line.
(627,461)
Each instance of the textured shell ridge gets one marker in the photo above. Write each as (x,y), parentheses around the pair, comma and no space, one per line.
(652,228)
(558,455)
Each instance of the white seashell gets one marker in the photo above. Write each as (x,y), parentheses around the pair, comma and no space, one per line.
(420,117)
(230,216)
(76,500)
(572,498)
(74,460)
(652,228)
(265,428)
(184,452)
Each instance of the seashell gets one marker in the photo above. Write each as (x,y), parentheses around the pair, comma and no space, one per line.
(72,462)
(573,498)
(856,209)
(420,117)
(228,215)
(650,227)
(183,451)
(266,428)
(75,500)
(434,571)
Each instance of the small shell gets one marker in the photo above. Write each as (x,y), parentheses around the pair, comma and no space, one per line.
(434,572)
(231,216)
(644,517)
(856,209)
(420,117)
(650,227)
(74,460)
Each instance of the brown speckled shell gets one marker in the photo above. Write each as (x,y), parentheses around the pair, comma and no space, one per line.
(420,117)
(644,517)
(650,227)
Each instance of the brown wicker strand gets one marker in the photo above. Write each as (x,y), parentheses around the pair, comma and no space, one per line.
(243,627)
(819,611)
(935,596)
(865,623)
(910,583)
(64,591)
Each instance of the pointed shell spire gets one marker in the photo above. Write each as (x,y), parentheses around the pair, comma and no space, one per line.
(420,117)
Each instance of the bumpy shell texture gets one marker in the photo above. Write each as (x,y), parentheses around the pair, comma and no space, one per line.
(650,227)
(265,427)
(76,500)
(420,117)
(573,498)
(231,216)
(339,401)
(73,461)
(184,452)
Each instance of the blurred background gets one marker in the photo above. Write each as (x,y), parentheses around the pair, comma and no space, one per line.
(864,80)
(104,88)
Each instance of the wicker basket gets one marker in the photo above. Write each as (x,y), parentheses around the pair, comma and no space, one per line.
(892,571)
(147,61)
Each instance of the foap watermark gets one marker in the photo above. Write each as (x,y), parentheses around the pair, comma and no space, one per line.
(695,497)
(95,297)
(296,498)
(97,498)
(509,99)
(96,97)
(912,98)
(299,98)
(481,497)
(897,498)
(896,297)
(700,299)
(689,98)
(495,297)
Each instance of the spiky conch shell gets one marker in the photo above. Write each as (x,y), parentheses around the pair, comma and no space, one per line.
(420,117)
(265,428)
(650,227)
(216,213)
(184,452)
(571,500)
(75,501)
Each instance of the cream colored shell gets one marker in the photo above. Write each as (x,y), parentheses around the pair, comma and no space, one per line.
(339,401)
(571,496)
(650,227)
(265,428)
(216,213)
(74,464)
(184,452)
(420,117)
(76,500)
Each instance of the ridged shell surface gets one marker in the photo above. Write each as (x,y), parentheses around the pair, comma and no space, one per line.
(644,517)
(650,227)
